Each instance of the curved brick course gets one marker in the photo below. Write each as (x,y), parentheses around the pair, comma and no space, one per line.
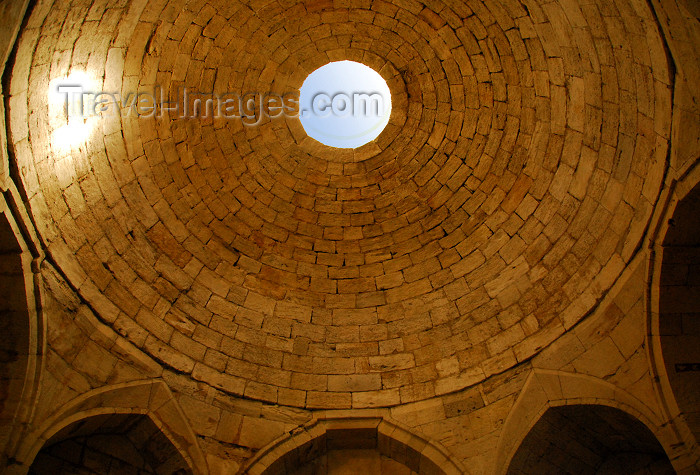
(515,180)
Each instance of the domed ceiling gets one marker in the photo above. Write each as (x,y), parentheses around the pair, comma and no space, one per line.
(515,180)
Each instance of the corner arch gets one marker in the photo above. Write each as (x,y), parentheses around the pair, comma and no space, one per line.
(674,246)
(374,431)
(114,443)
(151,398)
(589,438)
(545,389)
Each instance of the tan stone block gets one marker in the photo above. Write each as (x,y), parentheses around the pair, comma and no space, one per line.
(601,360)
(326,400)
(187,346)
(203,417)
(454,383)
(257,433)
(165,353)
(380,398)
(391,362)
(350,383)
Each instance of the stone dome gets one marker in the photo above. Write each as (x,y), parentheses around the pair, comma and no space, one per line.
(513,184)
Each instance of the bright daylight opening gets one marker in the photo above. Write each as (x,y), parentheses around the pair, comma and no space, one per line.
(70,122)
(344,104)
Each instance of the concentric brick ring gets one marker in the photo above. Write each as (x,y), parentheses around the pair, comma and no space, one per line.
(490,216)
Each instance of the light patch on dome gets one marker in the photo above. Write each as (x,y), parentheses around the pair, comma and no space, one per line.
(70,123)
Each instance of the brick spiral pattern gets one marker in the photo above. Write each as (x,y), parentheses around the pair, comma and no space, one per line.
(515,180)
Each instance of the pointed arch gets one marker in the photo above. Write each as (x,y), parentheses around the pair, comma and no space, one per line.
(151,398)
(670,298)
(545,389)
(375,431)
(21,324)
